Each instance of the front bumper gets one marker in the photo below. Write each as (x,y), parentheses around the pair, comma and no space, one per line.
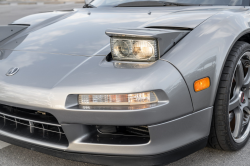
(171,123)
(187,133)
(160,159)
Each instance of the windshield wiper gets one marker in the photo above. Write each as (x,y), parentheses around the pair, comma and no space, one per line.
(142,4)
(89,6)
(185,4)
(179,4)
(155,4)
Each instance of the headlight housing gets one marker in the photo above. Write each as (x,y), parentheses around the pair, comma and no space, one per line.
(142,44)
(128,49)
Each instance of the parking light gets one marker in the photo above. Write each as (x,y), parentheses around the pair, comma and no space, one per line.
(118,99)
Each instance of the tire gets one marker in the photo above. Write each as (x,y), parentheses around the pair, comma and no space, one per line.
(226,133)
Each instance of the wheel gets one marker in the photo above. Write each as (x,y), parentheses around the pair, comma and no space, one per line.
(230,124)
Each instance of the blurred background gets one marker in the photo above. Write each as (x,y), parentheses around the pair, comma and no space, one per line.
(11,10)
(39,1)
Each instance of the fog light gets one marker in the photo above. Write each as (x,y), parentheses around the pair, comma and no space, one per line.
(201,84)
(118,99)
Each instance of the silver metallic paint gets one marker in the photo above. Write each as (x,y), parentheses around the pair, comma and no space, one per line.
(190,19)
(39,18)
(203,51)
(74,40)
(163,138)
(48,91)
(66,36)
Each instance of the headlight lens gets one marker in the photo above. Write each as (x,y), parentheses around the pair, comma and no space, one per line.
(134,49)
(118,99)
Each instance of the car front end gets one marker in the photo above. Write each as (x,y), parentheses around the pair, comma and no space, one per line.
(75,85)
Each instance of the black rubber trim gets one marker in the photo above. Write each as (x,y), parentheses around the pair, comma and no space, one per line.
(27,25)
(161,159)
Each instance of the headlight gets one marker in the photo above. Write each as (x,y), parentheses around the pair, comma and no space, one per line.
(134,49)
(118,99)
(142,44)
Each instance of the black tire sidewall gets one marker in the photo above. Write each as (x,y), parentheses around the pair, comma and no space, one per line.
(221,114)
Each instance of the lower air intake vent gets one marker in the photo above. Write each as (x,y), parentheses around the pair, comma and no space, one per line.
(140,131)
(36,125)
(119,135)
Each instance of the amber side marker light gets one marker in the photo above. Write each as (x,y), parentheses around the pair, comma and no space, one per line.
(201,84)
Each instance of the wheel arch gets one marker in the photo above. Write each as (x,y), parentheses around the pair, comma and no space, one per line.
(243,36)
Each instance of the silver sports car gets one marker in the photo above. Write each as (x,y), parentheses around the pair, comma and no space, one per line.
(128,82)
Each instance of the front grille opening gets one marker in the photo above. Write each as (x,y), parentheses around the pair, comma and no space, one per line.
(28,114)
(23,122)
(30,124)
(119,135)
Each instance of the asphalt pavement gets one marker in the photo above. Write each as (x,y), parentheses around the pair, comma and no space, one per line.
(11,155)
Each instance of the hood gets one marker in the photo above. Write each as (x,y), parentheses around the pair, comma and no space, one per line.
(83,32)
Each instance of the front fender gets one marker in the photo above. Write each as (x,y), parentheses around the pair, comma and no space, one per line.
(203,52)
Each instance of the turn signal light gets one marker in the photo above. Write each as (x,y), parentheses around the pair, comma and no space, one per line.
(201,84)
(118,99)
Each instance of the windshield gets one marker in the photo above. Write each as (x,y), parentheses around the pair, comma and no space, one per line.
(98,3)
